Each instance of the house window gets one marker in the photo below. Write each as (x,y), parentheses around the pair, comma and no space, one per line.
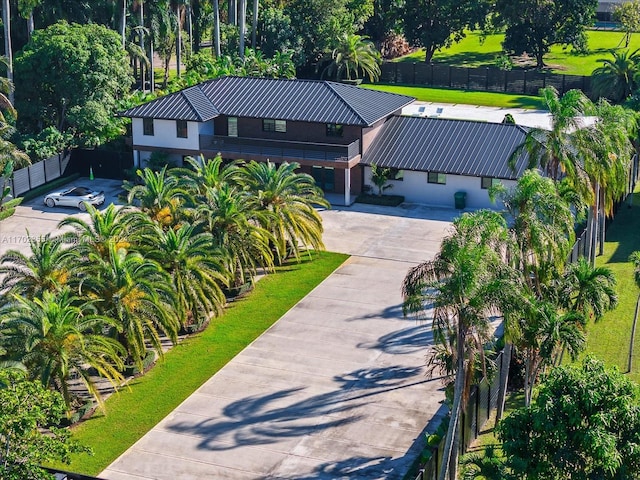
(271,125)
(334,130)
(435,177)
(488,182)
(181,129)
(147,126)
(232,126)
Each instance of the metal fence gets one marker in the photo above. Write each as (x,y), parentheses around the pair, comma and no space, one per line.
(38,174)
(526,82)
(482,403)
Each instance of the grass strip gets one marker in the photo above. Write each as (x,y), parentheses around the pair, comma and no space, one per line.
(609,338)
(134,411)
(466,97)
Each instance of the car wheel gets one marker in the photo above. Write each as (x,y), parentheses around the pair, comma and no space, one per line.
(50,203)
(82,207)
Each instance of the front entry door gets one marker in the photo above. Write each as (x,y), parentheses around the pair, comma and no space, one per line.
(324,177)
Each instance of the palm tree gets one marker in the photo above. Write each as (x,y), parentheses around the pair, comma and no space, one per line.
(205,174)
(588,290)
(229,215)
(607,151)
(353,55)
(617,78)
(113,226)
(462,287)
(55,337)
(557,151)
(159,196)
(541,226)
(47,268)
(288,198)
(195,268)
(137,294)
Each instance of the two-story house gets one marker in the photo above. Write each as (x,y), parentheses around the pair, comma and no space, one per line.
(324,126)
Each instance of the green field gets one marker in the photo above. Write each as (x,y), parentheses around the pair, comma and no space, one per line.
(135,410)
(472,51)
(609,339)
(445,95)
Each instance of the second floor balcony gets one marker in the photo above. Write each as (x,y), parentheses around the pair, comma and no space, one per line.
(249,148)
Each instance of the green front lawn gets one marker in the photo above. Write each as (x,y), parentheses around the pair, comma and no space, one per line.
(472,51)
(609,339)
(467,97)
(134,411)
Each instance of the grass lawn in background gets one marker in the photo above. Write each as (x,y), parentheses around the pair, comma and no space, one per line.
(467,97)
(134,411)
(609,338)
(472,52)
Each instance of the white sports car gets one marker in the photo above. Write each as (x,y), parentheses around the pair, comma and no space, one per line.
(74,197)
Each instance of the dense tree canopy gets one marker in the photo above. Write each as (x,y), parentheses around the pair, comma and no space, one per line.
(533,26)
(584,424)
(434,24)
(70,78)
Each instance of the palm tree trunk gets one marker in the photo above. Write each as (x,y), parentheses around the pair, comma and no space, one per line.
(504,378)
(242,14)
(152,75)
(633,334)
(30,25)
(602,224)
(594,226)
(6,20)
(450,454)
(190,27)
(233,12)
(123,23)
(216,27)
(142,73)
(254,24)
(178,41)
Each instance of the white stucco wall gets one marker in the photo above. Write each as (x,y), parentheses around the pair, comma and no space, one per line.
(415,189)
(165,135)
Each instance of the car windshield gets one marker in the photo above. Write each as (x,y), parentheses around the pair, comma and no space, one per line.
(79,192)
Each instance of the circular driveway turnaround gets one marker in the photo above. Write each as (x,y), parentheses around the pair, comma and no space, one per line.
(336,388)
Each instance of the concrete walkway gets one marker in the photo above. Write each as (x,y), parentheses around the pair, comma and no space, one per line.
(335,389)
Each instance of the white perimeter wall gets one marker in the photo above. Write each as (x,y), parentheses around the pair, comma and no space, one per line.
(165,135)
(415,189)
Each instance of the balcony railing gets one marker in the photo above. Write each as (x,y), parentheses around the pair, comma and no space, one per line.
(248,147)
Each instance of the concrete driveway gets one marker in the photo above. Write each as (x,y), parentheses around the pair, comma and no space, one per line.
(34,219)
(337,388)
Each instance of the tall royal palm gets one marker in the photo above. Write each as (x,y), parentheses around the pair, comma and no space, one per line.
(460,288)
(229,215)
(55,338)
(196,270)
(48,267)
(557,151)
(137,293)
(289,199)
(617,78)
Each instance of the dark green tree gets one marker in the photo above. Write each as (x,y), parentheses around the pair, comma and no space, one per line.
(28,433)
(71,77)
(436,24)
(584,424)
(617,77)
(533,26)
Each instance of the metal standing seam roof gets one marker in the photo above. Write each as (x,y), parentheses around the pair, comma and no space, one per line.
(457,147)
(293,100)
